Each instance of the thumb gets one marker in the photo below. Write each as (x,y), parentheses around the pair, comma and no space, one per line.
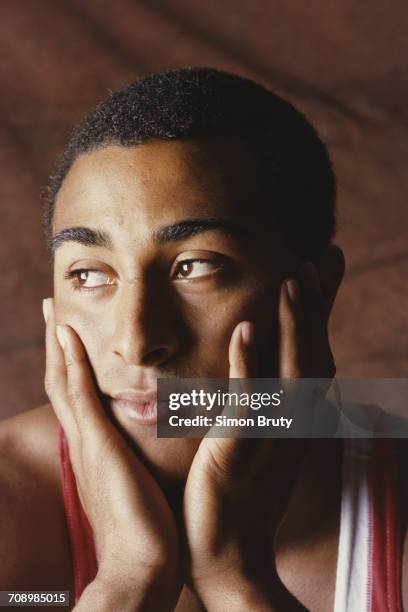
(222,451)
(242,351)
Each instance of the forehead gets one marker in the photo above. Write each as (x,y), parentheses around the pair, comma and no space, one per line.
(161,180)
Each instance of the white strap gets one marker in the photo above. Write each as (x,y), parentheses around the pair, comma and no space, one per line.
(354,561)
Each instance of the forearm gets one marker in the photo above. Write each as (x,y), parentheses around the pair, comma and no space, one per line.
(240,600)
(240,594)
(98,597)
(104,596)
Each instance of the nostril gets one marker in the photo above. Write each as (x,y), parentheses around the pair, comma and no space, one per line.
(157,356)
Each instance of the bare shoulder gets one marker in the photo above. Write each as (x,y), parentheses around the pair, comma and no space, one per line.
(32,436)
(34,545)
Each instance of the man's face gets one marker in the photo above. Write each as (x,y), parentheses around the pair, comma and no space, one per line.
(189,251)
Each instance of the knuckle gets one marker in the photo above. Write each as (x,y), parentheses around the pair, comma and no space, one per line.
(69,362)
(73,362)
(296,371)
(51,386)
(74,396)
(79,398)
(241,360)
(290,323)
(294,367)
(240,369)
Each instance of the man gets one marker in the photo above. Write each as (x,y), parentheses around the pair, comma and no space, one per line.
(190,222)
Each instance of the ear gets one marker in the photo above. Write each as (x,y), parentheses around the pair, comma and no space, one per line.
(330,265)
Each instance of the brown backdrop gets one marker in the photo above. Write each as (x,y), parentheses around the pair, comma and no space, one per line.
(343,63)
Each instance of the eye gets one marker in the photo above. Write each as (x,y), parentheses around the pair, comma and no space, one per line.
(196,268)
(89,279)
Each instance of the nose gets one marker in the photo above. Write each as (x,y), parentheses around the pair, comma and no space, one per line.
(144,330)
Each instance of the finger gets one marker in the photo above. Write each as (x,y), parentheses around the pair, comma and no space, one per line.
(82,395)
(55,371)
(242,362)
(292,341)
(224,451)
(242,351)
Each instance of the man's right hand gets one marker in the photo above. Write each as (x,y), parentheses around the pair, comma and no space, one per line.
(134,529)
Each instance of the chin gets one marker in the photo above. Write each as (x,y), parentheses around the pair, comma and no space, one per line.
(169,459)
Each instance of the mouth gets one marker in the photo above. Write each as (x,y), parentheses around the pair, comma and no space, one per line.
(138,406)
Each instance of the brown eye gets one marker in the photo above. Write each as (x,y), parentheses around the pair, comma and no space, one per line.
(195,268)
(88,279)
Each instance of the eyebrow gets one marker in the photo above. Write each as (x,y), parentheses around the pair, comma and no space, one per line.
(168,233)
(192,227)
(83,235)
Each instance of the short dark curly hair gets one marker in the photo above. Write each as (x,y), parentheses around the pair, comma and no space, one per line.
(197,102)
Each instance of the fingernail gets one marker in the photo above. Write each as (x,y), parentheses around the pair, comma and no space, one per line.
(292,288)
(61,335)
(247,333)
(46,309)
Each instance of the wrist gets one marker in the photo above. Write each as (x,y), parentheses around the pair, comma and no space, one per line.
(100,596)
(238,595)
(139,590)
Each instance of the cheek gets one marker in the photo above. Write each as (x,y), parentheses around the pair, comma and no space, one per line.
(91,329)
(214,318)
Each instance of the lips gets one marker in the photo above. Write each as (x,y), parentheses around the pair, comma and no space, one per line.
(139,406)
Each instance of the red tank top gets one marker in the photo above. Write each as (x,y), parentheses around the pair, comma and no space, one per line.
(80,532)
(385,573)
